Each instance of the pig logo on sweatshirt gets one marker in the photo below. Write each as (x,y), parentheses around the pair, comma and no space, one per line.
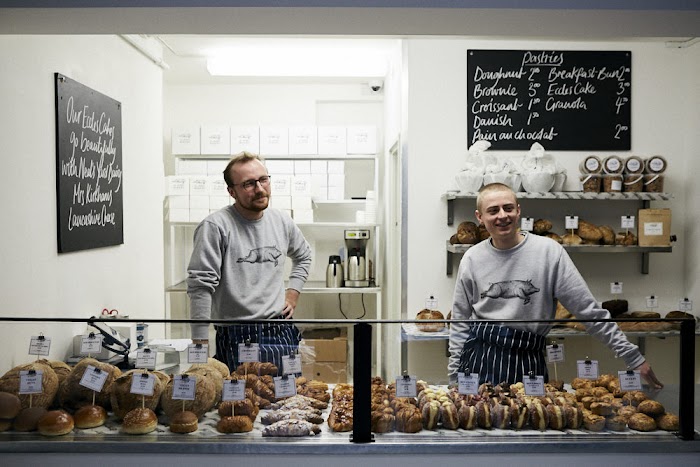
(264,254)
(511,289)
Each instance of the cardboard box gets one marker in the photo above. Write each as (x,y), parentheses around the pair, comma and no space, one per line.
(654,227)
(178,215)
(274,141)
(199,202)
(362,140)
(281,202)
(275,167)
(332,140)
(185,140)
(190,166)
(303,216)
(177,185)
(217,186)
(302,167)
(303,140)
(198,215)
(216,140)
(281,185)
(199,185)
(330,372)
(216,167)
(325,350)
(218,202)
(301,185)
(245,138)
(177,202)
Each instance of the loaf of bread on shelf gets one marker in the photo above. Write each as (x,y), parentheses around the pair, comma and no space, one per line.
(540,226)
(467,233)
(72,395)
(429,314)
(571,239)
(556,237)
(588,231)
(122,399)
(608,235)
(10,382)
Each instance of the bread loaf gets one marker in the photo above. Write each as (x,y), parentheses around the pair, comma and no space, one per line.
(430,314)
(72,395)
(204,398)
(540,226)
(49,384)
(123,401)
(468,233)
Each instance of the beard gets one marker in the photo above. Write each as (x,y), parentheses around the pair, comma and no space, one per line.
(258,204)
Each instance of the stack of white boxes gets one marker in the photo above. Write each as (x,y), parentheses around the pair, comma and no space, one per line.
(198,187)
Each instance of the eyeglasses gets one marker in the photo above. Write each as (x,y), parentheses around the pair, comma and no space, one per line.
(249,185)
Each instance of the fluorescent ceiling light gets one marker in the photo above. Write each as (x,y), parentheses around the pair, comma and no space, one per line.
(300,58)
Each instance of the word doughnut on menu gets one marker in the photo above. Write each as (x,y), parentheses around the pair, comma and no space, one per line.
(88,167)
(564,100)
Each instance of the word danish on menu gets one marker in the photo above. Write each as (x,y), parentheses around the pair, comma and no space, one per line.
(563,99)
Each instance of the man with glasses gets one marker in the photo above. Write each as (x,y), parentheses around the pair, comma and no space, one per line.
(237,266)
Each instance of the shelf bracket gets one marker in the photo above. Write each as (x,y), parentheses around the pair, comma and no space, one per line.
(645,263)
(449,264)
(450,211)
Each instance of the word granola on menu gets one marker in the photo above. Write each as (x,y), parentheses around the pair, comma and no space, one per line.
(89,167)
(572,100)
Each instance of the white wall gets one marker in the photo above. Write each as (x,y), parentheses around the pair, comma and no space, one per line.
(664,90)
(35,280)
(691,141)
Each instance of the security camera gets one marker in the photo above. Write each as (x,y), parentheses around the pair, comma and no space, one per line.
(376,85)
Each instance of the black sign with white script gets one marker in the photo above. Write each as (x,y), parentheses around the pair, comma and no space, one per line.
(88,167)
(564,100)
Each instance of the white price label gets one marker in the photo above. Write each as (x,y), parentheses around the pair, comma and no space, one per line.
(406,386)
(285,386)
(555,353)
(685,305)
(197,353)
(291,364)
(527,224)
(30,381)
(653,228)
(468,383)
(184,387)
(431,303)
(534,385)
(630,380)
(652,302)
(91,344)
(587,369)
(39,345)
(248,353)
(142,383)
(146,358)
(234,390)
(616,288)
(571,222)
(94,378)
(627,222)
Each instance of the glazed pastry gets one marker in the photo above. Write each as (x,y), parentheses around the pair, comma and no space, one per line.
(520,415)
(409,420)
(483,415)
(291,428)
(539,418)
(574,417)
(449,416)
(274,416)
(557,417)
(467,417)
(55,423)
(235,424)
(431,414)
(383,422)
(502,415)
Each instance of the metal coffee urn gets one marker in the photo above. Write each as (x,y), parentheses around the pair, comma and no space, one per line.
(334,272)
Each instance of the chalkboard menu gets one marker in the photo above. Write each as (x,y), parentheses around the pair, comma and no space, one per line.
(564,100)
(88,167)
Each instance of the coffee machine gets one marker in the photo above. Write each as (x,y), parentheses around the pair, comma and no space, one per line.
(356,264)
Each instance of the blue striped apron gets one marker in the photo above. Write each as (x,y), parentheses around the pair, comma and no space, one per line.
(275,341)
(502,354)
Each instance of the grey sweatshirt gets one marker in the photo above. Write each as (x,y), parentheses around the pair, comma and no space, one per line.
(237,266)
(525,282)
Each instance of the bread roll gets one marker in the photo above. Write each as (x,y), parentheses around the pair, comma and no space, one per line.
(183,422)
(213,374)
(616,307)
(483,233)
(139,421)
(616,423)
(55,423)
(10,405)
(588,231)
(28,419)
(90,416)
(49,383)
(5,424)
(553,236)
